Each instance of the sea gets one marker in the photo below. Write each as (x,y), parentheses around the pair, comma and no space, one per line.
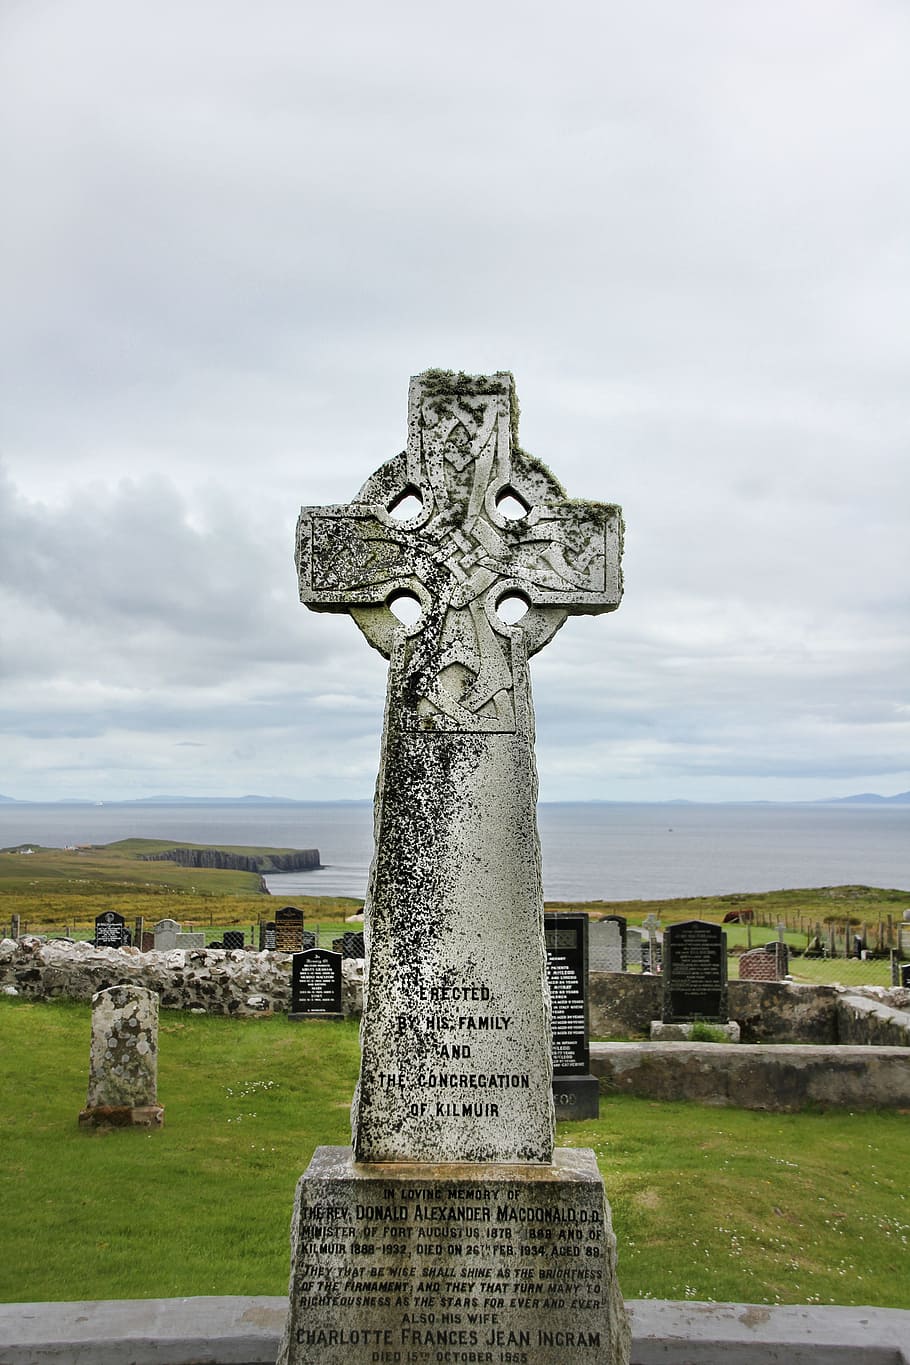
(591,851)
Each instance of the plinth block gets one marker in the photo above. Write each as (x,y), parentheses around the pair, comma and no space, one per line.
(412,1264)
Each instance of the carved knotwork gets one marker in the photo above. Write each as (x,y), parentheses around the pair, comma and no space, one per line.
(460,555)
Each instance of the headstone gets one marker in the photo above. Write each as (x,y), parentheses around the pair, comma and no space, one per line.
(233,938)
(123,1072)
(289,929)
(110,930)
(148,941)
(576,1093)
(623,924)
(781,954)
(695,973)
(308,940)
(633,947)
(194,940)
(453,1177)
(352,945)
(268,938)
(905,973)
(605,947)
(139,931)
(759,965)
(14,926)
(651,960)
(166,931)
(316,985)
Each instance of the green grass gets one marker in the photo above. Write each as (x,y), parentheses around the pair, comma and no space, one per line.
(708,1204)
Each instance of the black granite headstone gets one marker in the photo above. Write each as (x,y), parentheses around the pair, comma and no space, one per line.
(267,937)
(316,984)
(308,940)
(288,929)
(905,973)
(352,945)
(575,1090)
(695,973)
(110,930)
(233,938)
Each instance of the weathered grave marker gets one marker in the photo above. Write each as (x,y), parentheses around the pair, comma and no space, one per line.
(605,947)
(651,951)
(268,936)
(166,931)
(289,929)
(189,940)
(123,1074)
(453,1117)
(633,947)
(352,945)
(575,1091)
(110,930)
(316,984)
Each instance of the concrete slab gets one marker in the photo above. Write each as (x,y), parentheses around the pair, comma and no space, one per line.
(767,1076)
(246,1331)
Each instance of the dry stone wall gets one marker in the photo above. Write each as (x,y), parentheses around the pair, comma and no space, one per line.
(212,980)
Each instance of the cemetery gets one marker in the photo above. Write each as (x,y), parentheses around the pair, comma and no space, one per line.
(457,1224)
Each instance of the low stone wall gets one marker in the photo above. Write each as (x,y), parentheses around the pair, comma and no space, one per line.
(223,1331)
(767,1011)
(756,1075)
(208,980)
(875,1021)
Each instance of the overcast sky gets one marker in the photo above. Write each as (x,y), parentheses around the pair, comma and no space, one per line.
(230,233)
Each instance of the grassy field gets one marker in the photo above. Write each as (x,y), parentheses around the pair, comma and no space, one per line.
(708,1203)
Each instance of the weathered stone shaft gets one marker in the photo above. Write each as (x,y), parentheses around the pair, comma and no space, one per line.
(456,1018)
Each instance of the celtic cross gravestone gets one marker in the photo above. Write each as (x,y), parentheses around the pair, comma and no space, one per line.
(453,1125)
(456,1005)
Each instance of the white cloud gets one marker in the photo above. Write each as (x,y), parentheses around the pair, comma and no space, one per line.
(229,237)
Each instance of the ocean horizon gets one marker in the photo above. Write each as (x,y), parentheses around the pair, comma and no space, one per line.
(591,850)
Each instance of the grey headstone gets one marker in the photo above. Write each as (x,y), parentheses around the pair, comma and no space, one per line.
(194,940)
(166,931)
(605,946)
(633,947)
(123,1072)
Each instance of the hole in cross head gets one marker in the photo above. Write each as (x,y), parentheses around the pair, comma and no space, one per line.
(511,607)
(511,505)
(407,505)
(406,606)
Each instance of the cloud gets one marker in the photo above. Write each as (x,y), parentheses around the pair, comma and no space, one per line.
(230,237)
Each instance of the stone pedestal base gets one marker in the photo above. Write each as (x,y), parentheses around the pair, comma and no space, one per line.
(122,1116)
(415,1264)
(576,1097)
(682,1033)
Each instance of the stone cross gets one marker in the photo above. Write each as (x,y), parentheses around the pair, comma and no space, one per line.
(455,1063)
